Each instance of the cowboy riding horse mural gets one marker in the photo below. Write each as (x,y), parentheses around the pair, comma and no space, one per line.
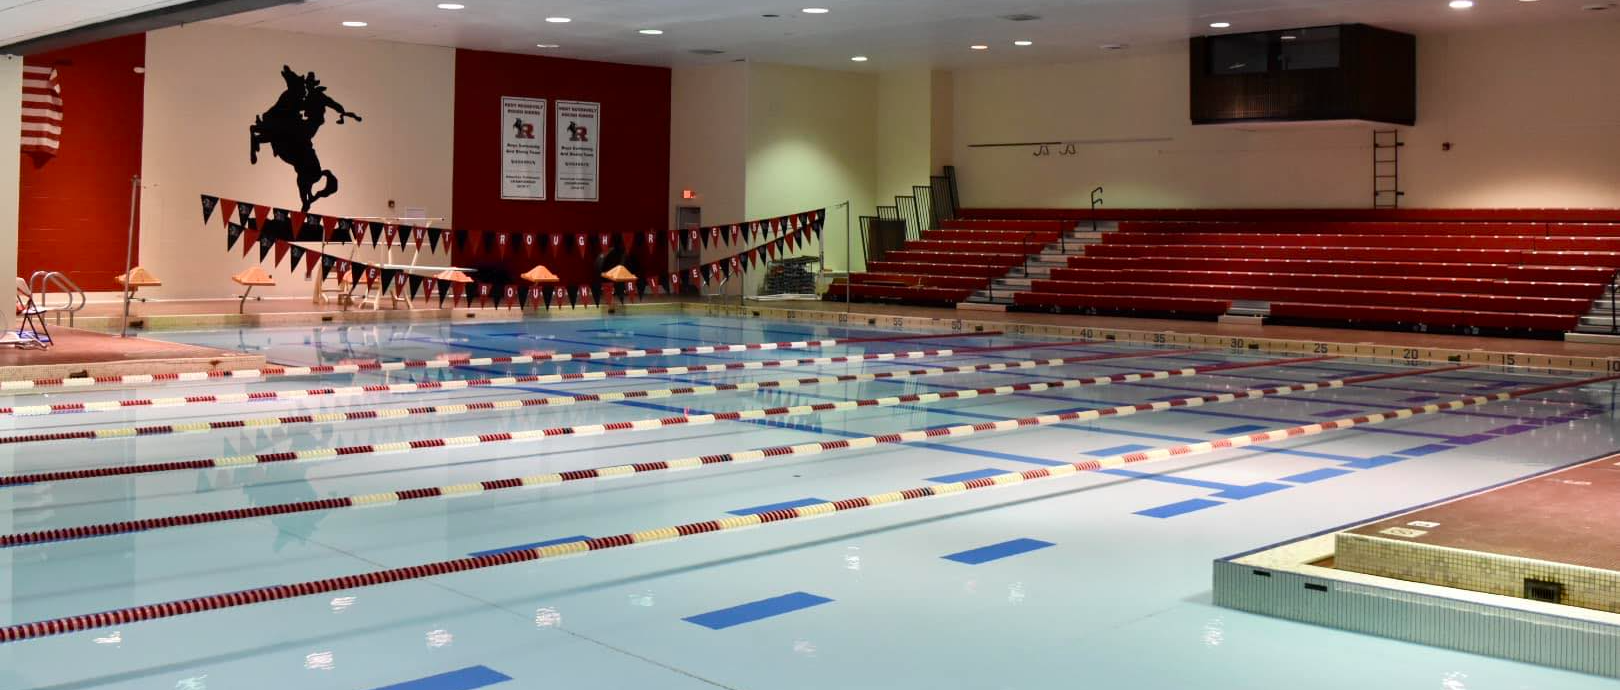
(289,127)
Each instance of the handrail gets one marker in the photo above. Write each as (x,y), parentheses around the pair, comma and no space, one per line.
(1614,283)
(1096,200)
(41,284)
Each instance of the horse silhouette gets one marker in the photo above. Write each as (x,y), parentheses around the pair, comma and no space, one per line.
(289,127)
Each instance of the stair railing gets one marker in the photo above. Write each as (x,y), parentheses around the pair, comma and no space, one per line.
(41,284)
(1614,283)
(1096,200)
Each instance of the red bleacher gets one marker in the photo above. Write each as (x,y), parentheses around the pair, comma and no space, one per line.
(950,264)
(1508,275)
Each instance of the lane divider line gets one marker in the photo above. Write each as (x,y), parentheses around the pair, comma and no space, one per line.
(458,384)
(84,382)
(551,401)
(390,498)
(260,595)
(529,435)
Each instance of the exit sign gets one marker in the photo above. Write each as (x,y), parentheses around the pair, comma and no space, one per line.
(688,194)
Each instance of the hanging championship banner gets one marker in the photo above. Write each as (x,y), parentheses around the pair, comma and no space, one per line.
(579,134)
(523,148)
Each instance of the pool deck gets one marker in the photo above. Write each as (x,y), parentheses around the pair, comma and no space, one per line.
(77,352)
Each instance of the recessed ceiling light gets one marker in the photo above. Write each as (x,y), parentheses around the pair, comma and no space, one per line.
(979,47)
(452,6)
(651,32)
(1288,37)
(354,25)
(1461,4)
(558,20)
(1220,25)
(1023,43)
(815,10)
(546,45)
(858,58)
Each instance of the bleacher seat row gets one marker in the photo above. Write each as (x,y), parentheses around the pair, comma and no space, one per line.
(947,266)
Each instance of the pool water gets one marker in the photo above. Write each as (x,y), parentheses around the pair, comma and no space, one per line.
(1096,580)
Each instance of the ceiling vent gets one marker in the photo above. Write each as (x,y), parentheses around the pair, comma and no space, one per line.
(707,51)
(1020,17)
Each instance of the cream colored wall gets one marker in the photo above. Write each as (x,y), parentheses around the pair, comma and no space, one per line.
(904,131)
(812,143)
(942,125)
(204,85)
(10,184)
(1533,113)
(708,141)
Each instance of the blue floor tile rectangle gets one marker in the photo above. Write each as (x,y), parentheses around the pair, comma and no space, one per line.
(1471,439)
(966,476)
(756,610)
(1342,412)
(1182,508)
(1240,429)
(1241,492)
(985,554)
(1371,463)
(461,679)
(1315,475)
(526,547)
(1512,429)
(1117,450)
(1424,450)
(795,503)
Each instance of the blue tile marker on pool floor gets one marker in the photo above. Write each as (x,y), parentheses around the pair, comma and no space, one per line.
(995,552)
(756,610)
(461,679)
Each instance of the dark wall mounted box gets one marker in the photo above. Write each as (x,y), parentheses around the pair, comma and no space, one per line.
(1344,72)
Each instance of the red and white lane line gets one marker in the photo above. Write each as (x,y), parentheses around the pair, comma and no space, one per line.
(531,435)
(259,595)
(552,401)
(84,382)
(458,384)
(387,498)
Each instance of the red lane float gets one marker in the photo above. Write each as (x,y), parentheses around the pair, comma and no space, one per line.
(259,595)
(83,382)
(553,401)
(387,498)
(458,384)
(333,453)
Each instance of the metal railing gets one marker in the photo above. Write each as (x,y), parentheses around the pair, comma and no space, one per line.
(42,283)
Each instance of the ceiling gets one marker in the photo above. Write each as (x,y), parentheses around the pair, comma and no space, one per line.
(21,20)
(892,33)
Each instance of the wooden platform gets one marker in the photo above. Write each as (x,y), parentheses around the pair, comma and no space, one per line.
(78,352)
(1552,538)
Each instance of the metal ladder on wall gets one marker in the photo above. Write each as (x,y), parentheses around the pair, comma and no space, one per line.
(1387,168)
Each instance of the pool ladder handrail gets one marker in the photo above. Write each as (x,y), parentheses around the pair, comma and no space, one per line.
(42,283)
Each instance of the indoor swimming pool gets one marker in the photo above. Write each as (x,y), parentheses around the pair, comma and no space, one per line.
(1098,576)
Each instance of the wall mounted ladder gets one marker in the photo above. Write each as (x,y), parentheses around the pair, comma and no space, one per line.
(1387,168)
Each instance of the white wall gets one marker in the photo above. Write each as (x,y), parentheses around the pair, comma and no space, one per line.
(904,132)
(709,141)
(10,184)
(204,85)
(1533,113)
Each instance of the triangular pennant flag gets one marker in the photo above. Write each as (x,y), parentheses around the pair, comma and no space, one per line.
(244,214)
(629,239)
(433,239)
(557,295)
(529,243)
(233,232)
(419,234)
(295,222)
(265,243)
(327,264)
(697,277)
(249,238)
(651,239)
(415,284)
(459,237)
(605,241)
(706,233)
(309,265)
(341,267)
(484,291)
(674,283)
(444,289)
(376,233)
(227,207)
(736,265)
(486,241)
(429,286)
(296,255)
(405,233)
(281,252)
(527,295)
(502,242)
(511,293)
(736,235)
(208,204)
(371,276)
(554,243)
(390,231)
(260,213)
(581,244)
(573,297)
(692,236)
(391,279)
(674,239)
(279,215)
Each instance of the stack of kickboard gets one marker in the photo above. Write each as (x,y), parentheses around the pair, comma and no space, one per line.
(790,277)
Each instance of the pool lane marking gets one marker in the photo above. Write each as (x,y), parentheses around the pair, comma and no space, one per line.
(389,498)
(81,383)
(259,595)
(551,401)
(336,452)
(459,384)
(468,678)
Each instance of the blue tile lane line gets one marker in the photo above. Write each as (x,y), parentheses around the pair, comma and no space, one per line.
(1423,450)
(1240,429)
(996,552)
(1117,450)
(462,679)
(966,476)
(526,547)
(784,505)
(756,610)
(1315,475)
(1181,508)
(1370,463)
(1340,412)
(1229,491)
(989,454)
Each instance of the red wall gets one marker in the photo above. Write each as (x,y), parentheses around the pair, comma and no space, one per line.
(74,211)
(634,150)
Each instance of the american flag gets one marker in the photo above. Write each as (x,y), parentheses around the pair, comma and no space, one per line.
(41,111)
